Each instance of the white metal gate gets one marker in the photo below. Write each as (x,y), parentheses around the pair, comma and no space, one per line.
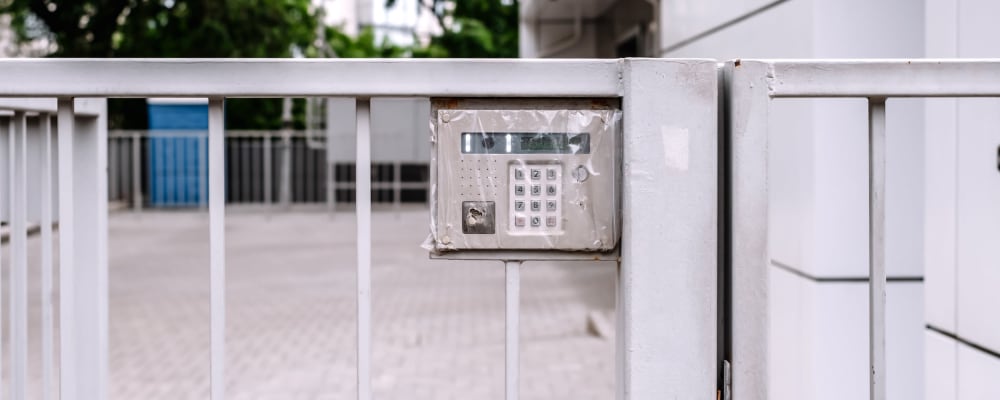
(667,279)
(750,86)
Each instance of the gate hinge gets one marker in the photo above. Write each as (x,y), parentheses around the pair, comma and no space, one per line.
(727,381)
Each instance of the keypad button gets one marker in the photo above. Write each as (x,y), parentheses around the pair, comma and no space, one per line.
(536,205)
(536,174)
(519,190)
(550,190)
(550,174)
(519,174)
(550,205)
(536,190)
(550,221)
(519,205)
(536,221)
(518,220)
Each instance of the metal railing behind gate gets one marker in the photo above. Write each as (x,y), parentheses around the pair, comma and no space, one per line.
(169,169)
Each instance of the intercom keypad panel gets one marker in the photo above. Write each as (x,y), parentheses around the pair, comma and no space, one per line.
(526,179)
(535,193)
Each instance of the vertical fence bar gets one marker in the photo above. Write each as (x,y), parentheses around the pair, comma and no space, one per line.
(267,171)
(397,187)
(309,173)
(298,171)
(137,172)
(331,166)
(255,173)
(876,247)
(363,204)
(67,250)
(202,157)
(286,153)
(114,189)
(244,147)
(512,295)
(6,136)
(19,258)
(285,194)
(90,286)
(5,199)
(748,107)
(331,192)
(669,271)
(48,359)
(217,238)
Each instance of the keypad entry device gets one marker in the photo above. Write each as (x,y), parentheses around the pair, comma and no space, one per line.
(526,179)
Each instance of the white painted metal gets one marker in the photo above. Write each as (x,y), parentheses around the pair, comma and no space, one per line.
(363,202)
(67,252)
(876,248)
(748,107)
(268,178)
(285,181)
(512,274)
(201,148)
(91,263)
(114,177)
(397,187)
(137,173)
(84,107)
(5,194)
(331,189)
(217,243)
(752,84)
(5,150)
(884,78)
(270,78)
(18,314)
(667,281)
(669,103)
(48,313)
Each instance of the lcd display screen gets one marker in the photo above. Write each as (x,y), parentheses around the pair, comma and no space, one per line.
(525,143)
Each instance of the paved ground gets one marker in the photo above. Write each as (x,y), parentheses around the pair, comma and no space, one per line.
(438,325)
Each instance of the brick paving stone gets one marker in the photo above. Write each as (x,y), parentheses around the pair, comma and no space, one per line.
(438,326)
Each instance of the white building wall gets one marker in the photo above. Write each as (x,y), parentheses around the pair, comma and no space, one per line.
(398,24)
(962,214)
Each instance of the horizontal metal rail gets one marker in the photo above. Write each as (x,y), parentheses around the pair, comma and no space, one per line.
(882,78)
(308,77)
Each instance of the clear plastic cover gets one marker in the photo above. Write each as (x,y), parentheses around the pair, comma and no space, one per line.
(532,176)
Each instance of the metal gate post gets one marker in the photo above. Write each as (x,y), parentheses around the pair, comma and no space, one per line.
(667,293)
(746,129)
(83,254)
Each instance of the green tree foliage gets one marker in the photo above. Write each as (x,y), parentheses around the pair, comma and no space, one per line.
(366,45)
(245,28)
(172,28)
(471,28)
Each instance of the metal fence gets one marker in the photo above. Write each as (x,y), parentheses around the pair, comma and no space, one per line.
(679,97)
(694,207)
(168,169)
